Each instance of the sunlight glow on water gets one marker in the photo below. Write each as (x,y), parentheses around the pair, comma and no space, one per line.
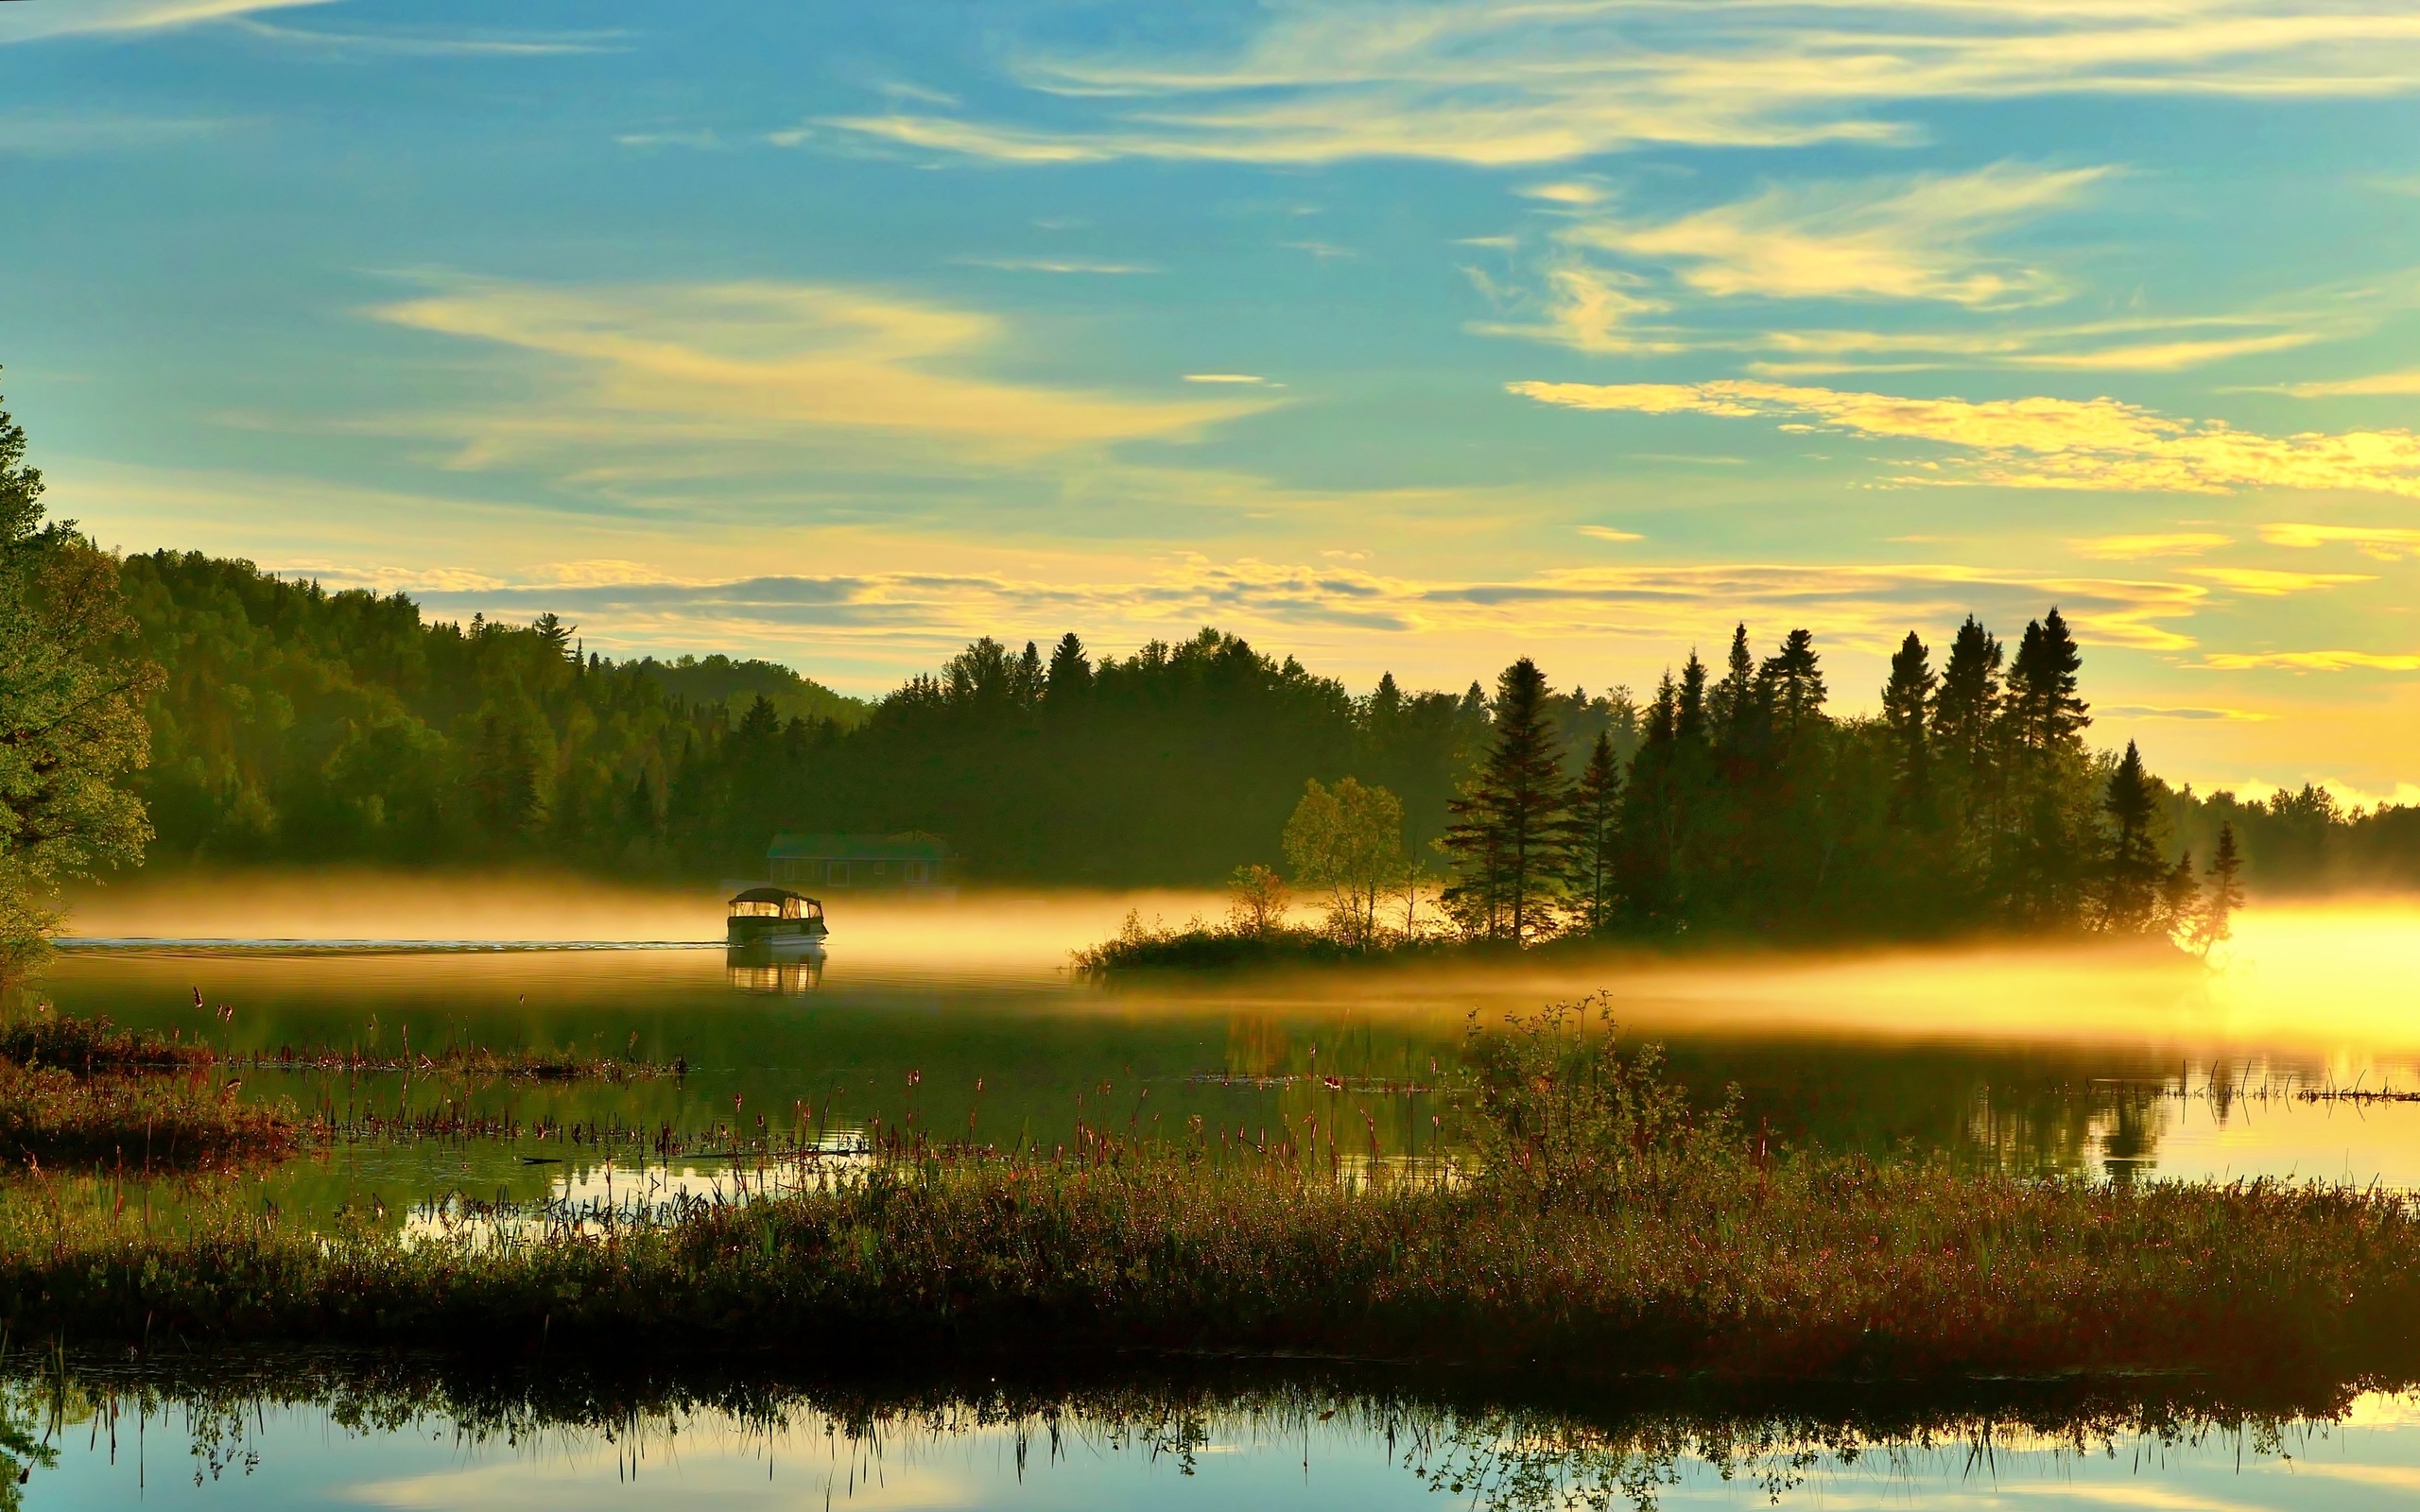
(2077,1058)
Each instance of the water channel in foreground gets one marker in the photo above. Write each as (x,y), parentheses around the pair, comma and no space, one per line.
(318,1438)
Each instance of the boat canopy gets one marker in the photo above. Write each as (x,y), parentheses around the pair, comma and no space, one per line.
(774,902)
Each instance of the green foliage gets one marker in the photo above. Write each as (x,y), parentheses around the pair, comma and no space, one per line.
(71,724)
(1347,842)
(1560,1117)
(737,686)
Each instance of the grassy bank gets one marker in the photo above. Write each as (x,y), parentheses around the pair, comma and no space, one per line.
(1600,1225)
(1809,1268)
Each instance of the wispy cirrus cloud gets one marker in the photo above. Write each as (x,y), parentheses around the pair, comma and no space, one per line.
(1867,606)
(2037,442)
(2402,381)
(2314,660)
(2271,582)
(126,18)
(2379,543)
(2193,713)
(1892,239)
(42,133)
(729,364)
(1611,281)
(430,44)
(1505,82)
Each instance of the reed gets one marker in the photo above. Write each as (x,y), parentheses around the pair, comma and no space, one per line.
(1611,1230)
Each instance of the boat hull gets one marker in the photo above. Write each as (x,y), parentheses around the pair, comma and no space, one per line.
(779,936)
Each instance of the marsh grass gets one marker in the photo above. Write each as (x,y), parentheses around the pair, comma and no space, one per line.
(143,1123)
(1607,1230)
(95,1046)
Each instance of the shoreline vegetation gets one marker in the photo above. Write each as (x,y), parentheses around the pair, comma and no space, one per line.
(1594,1225)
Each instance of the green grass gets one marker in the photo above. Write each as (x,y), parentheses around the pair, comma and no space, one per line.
(1601,1227)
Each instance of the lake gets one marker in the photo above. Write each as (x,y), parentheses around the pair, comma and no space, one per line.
(961,1021)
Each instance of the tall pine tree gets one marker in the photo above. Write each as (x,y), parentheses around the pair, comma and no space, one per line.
(1595,824)
(1907,702)
(1509,838)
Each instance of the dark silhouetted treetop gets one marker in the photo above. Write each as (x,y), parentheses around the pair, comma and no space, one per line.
(2042,681)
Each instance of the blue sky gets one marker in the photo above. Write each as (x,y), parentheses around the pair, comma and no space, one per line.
(1408,336)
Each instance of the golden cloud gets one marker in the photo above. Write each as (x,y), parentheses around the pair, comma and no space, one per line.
(1865,608)
(1506,83)
(766,361)
(2139,548)
(2268,582)
(2405,381)
(2314,660)
(2379,543)
(1906,239)
(2039,442)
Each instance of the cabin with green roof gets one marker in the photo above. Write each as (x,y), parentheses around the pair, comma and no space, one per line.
(912,861)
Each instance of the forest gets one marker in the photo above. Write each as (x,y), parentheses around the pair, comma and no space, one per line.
(294,724)
(194,712)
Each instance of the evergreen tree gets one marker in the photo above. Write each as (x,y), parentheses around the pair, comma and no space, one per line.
(1509,838)
(1069,681)
(1792,680)
(1967,708)
(2180,899)
(2132,874)
(2048,716)
(1596,816)
(1690,725)
(1907,704)
(2221,894)
(1026,682)
(1733,705)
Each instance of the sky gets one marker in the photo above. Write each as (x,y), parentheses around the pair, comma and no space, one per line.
(1392,337)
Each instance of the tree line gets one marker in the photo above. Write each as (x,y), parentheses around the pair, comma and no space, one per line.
(1969,800)
(207,712)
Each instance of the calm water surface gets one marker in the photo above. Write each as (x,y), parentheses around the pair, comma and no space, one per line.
(959,1022)
(2096,1061)
(1270,1450)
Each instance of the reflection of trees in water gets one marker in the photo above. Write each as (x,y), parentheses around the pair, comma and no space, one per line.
(1594,1458)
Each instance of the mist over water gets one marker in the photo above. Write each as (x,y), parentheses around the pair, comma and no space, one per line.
(1004,929)
(963,1017)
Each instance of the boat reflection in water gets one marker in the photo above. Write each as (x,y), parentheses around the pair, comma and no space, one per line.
(750,969)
